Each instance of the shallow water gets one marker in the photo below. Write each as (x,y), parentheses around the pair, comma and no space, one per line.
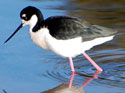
(26,68)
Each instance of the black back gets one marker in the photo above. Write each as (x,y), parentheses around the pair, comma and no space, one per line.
(63,27)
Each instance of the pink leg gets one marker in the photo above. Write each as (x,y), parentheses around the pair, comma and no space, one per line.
(71,65)
(92,62)
(89,79)
(71,80)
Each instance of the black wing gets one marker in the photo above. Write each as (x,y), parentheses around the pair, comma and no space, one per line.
(62,27)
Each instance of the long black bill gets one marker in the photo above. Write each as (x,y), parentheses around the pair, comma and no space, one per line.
(14,33)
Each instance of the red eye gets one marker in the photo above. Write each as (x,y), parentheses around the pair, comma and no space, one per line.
(25,18)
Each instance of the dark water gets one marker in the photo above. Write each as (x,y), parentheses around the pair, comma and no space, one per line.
(26,68)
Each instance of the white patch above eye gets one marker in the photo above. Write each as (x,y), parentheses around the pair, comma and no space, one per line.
(31,22)
(24,15)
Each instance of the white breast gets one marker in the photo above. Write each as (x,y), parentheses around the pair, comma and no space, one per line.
(39,38)
(64,48)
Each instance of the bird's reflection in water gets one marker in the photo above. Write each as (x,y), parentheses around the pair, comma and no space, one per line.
(70,88)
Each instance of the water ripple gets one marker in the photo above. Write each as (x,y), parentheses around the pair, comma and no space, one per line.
(112,61)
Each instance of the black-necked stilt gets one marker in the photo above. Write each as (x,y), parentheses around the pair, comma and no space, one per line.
(65,36)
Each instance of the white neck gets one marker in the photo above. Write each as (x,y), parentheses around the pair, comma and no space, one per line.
(33,21)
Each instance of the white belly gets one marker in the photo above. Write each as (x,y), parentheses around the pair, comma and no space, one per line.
(64,48)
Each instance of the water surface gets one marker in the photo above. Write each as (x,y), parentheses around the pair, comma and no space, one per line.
(26,68)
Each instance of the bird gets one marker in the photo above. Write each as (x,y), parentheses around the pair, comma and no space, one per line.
(66,36)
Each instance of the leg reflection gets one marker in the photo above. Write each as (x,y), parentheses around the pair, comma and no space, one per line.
(89,79)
